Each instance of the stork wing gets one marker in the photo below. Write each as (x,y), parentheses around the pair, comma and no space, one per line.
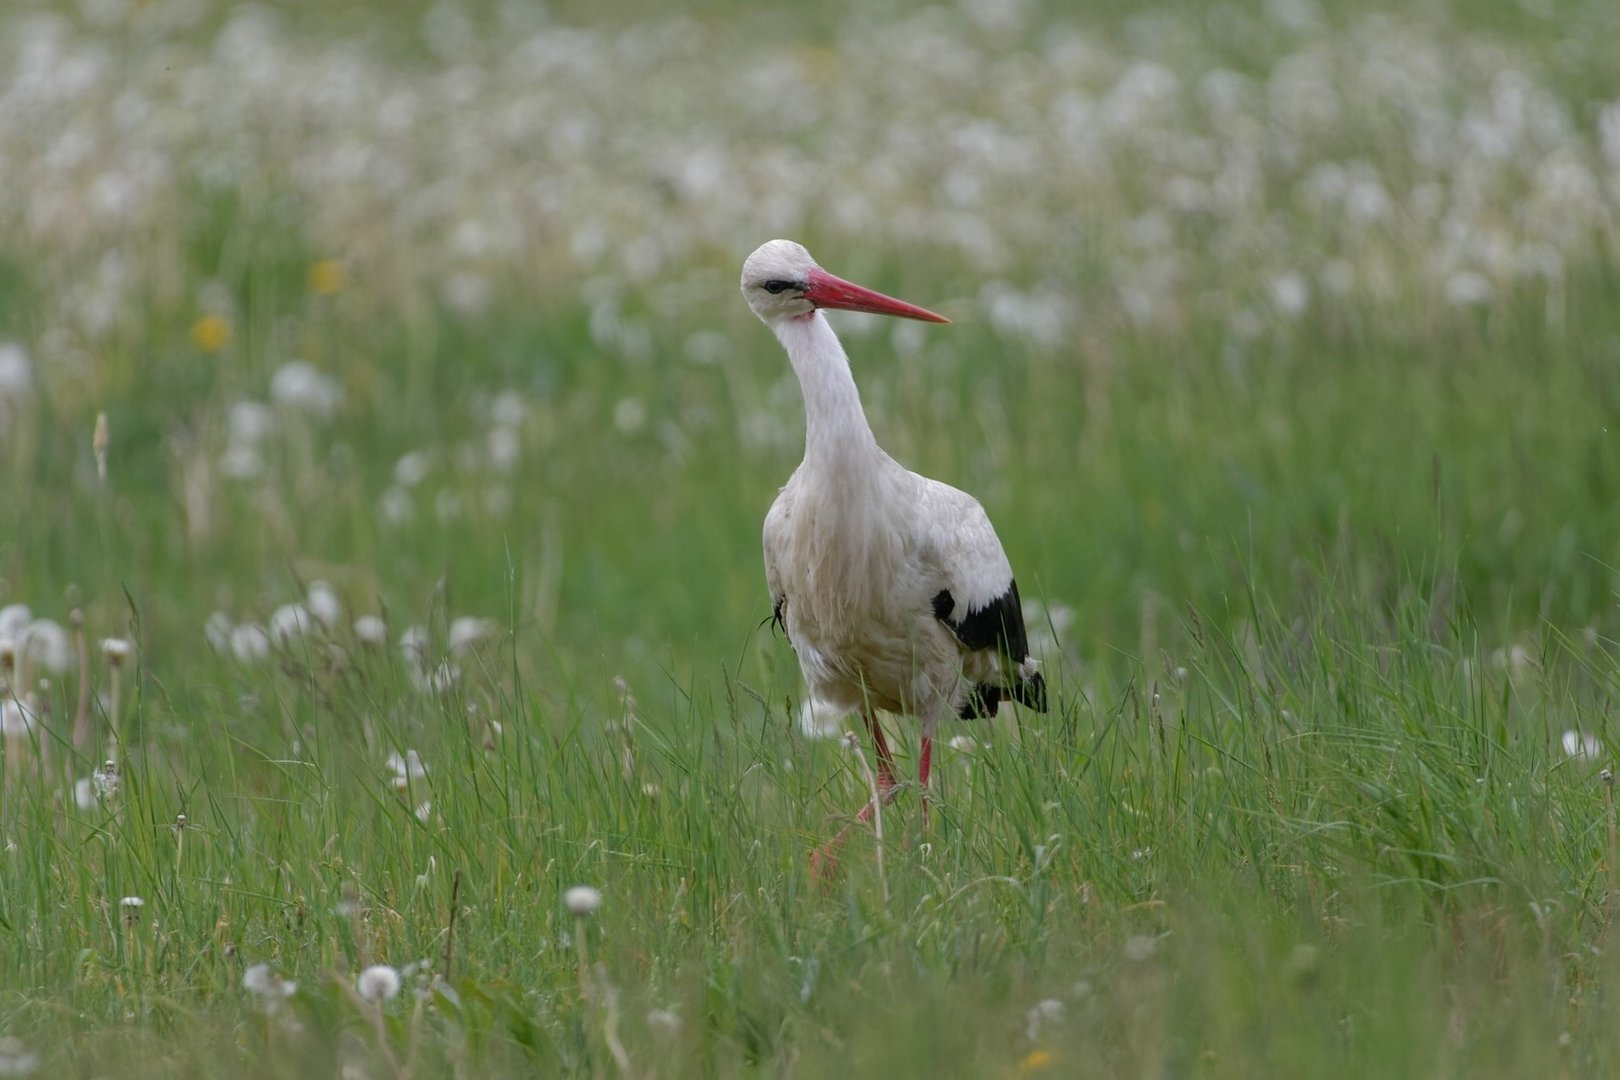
(776,539)
(978,598)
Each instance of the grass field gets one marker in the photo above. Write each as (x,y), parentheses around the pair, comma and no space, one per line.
(434,445)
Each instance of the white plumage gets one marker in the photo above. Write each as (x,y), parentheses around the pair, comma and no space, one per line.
(893,588)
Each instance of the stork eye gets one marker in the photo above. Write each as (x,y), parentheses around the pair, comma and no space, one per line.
(777,286)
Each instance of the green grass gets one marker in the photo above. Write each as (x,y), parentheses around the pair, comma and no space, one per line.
(1326,592)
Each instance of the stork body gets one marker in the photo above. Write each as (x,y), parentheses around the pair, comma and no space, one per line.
(893,588)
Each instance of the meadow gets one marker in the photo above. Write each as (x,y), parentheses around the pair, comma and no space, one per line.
(383,451)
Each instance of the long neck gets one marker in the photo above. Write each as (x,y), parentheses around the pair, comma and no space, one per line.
(836,430)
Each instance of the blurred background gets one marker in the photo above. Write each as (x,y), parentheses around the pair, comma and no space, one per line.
(436,303)
(374,376)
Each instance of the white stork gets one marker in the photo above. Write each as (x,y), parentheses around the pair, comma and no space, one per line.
(892,588)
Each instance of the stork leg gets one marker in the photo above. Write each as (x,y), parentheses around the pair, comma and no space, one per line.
(886,782)
(824,861)
(925,765)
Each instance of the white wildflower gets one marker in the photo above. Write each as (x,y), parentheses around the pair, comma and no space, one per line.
(395,506)
(412,469)
(261,979)
(413,645)
(248,423)
(16,373)
(1466,288)
(299,385)
(378,983)
(629,416)
(1049,1011)
(47,644)
(371,630)
(407,766)
(508,409)
(1290,294)
(1140,948)
(289,622)
(104,782)
(582,900)
(15,1057)
(504,448)
(440,679)
(16,721)
(218,632)
(115,650)
(323,603)
(250,643)
(13,618)
(467,630)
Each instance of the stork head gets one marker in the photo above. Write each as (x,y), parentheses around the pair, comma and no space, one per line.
(781,281)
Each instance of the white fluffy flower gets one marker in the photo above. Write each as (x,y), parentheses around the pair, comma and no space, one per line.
(323,603)
(371,630)
(582,900)
(407,767)
(467,630)
(16,721)
(16,374)
(15,1057)
(289,622)
(262,979)
(13,618)
(377,983)
(249,643)
(46,643)
(299,385)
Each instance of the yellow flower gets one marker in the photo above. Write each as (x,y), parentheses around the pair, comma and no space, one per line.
(327,276)
(1034,1060)
(211,332)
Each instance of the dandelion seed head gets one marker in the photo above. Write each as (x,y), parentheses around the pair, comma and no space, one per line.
(378,983)
(15,1057)
(261,979)
(582,900)
(371,630)
(250,644)
(45,642)
(289,622)
(16,719)
(1040,1015)
(322,602)
(1139,948)
(300,386)
(115,651)
(13,618)
(467,630)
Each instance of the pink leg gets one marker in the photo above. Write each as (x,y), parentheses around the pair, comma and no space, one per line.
(885,769)
(824,862)
(925,765)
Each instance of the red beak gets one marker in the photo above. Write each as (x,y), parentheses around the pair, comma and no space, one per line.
(827,291)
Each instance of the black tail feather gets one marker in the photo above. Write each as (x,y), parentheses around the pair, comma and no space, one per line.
(985,698)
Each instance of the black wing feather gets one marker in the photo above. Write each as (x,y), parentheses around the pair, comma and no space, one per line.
(999,625)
